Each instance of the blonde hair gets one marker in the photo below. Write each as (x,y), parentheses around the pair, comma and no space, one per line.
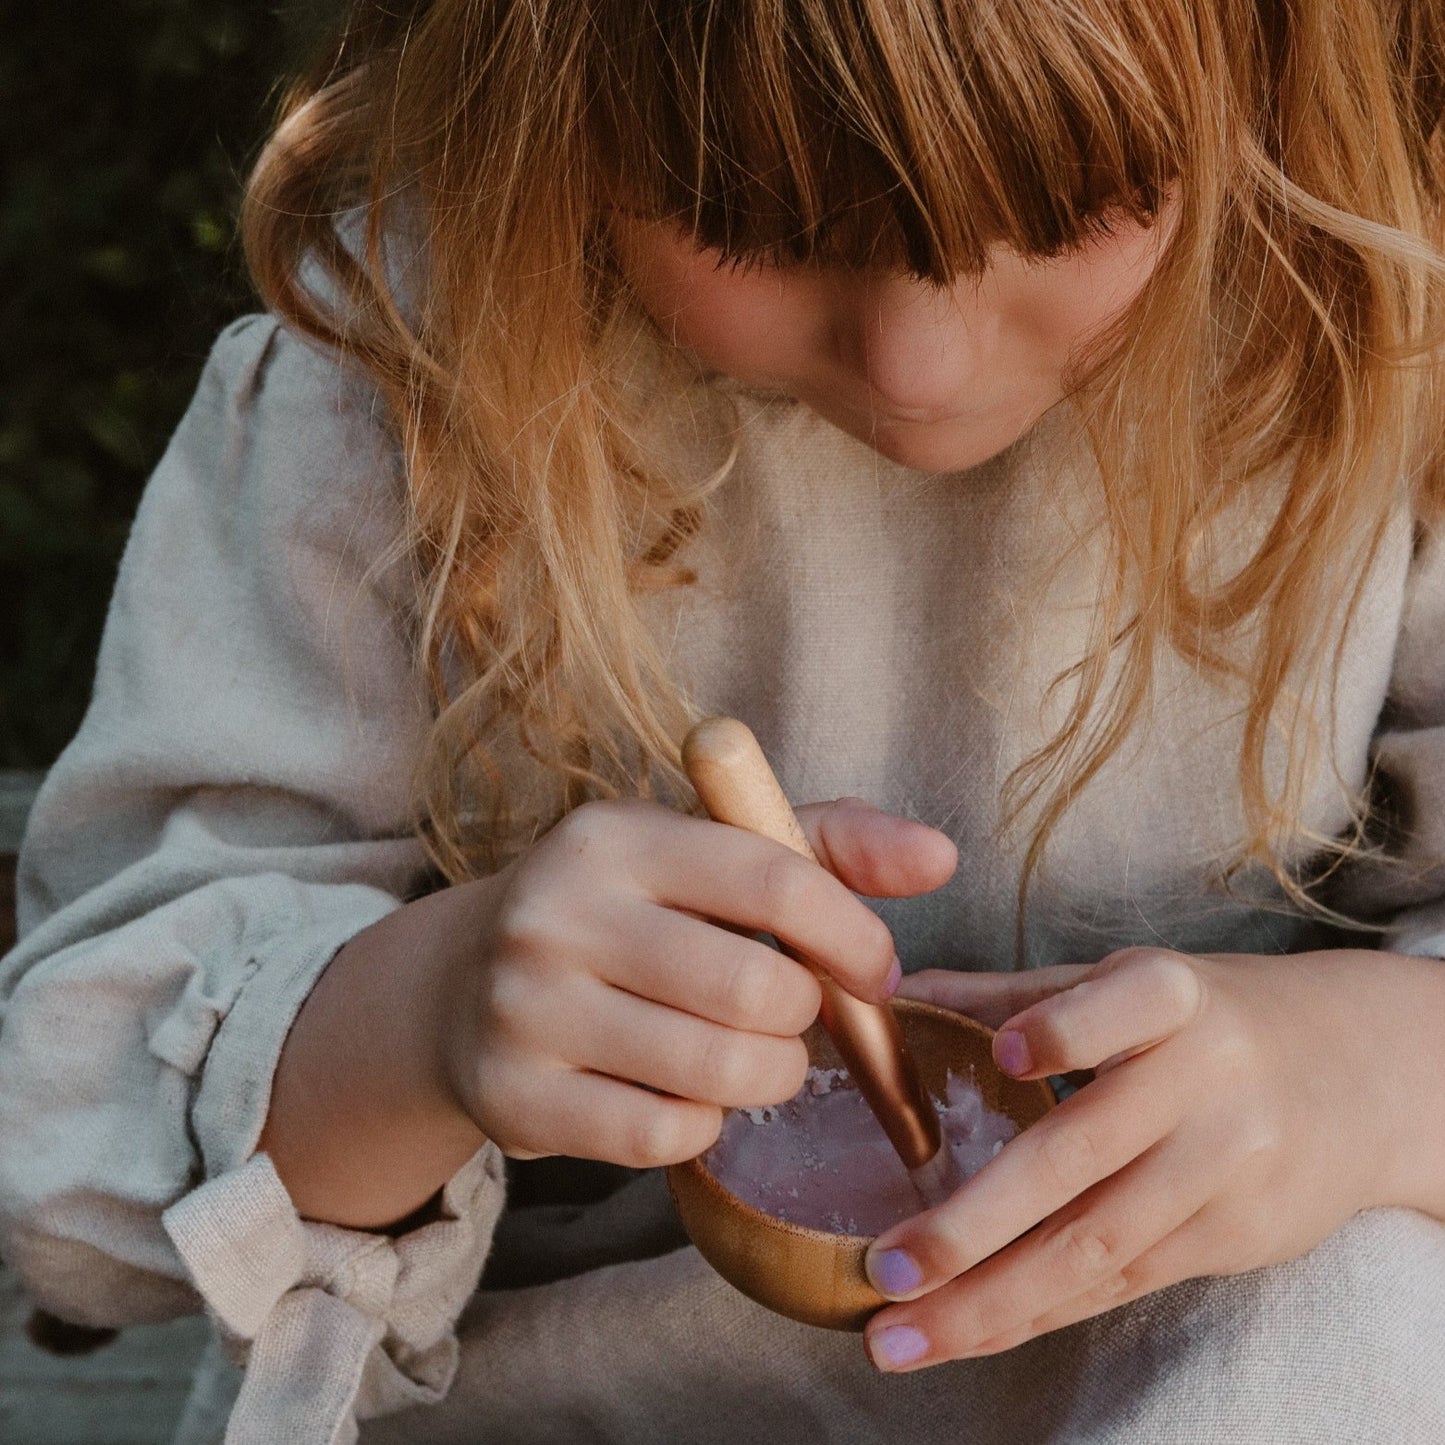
(1288,332)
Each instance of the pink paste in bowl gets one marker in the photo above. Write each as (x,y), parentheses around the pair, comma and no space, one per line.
(822,1160)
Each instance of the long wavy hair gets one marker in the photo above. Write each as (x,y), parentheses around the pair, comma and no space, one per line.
(1289,332)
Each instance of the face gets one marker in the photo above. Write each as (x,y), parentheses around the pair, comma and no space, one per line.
(937,380)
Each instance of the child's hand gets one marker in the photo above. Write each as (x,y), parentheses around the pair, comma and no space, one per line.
(605,998)
(1244,1108)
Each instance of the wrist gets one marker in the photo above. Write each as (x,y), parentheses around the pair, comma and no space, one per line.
(363,1128)
(1414,1052)
(451,928)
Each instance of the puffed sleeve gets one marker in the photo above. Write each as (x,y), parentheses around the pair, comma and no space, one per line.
(233,809)
(1399,884)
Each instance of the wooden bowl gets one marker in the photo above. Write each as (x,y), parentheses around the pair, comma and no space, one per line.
(809,1274)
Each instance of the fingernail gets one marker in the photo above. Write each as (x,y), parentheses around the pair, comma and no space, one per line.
(1011,1049)
(894,1272)
(897,1345)
(895,977)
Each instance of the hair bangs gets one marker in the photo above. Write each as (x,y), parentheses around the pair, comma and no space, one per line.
(910,135)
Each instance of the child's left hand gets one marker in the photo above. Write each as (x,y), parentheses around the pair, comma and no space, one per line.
(1243,1108)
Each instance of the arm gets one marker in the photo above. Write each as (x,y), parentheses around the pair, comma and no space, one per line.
(1244,1107)
(232,812)
(583,1001)
(363,1124)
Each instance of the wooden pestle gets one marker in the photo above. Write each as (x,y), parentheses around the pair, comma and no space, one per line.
(732,778)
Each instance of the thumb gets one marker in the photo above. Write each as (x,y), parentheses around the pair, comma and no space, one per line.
(877,854)
(992,998)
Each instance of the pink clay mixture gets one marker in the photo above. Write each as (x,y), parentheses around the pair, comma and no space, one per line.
(823,1160)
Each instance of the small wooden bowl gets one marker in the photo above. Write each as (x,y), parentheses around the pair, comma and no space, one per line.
(809,1274)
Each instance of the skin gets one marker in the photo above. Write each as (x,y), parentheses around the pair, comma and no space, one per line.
(1217,1136)
(934,379)
(595,998)
(600,997)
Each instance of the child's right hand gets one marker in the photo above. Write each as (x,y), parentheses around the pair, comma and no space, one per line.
(606,999)
(599,997)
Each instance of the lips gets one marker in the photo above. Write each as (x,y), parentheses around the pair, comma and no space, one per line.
(876,412)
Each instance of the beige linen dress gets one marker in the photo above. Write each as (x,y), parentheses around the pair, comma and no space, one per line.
(234,809)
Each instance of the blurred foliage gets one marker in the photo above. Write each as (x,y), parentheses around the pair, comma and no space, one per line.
(129,126)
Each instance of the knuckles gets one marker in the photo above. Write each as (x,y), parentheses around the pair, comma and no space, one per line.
(662,1134)
(798,1008)
(877,942)
(767,993)
(1228,1054)
(788,886)
(1071,1158)
(506,1005)
(1165,987)
(1089,1258)
(791,889)
(650,1139)
(743,1071)
(746,991)
(528,928)
(1175,981)
(599,825)
(1169,975)
(793,1069)
(722,1068)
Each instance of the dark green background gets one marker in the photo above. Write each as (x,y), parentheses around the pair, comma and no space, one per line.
(129,125)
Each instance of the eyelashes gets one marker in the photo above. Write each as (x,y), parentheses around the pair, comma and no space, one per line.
(1093,229)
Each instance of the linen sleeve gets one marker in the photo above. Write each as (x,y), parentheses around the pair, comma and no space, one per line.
(233,809)
(1399,884)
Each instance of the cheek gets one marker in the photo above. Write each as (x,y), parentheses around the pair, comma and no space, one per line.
(1064,306)
(746,324)
(724,323)
(751,323)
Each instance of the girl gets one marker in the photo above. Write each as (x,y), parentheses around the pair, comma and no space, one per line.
(1027,417)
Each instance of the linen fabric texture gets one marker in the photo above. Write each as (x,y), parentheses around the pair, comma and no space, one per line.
(236,807)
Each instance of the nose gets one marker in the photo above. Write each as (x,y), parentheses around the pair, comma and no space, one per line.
(910,343)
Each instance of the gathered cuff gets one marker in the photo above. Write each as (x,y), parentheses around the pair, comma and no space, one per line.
(288,953)
(333,1324)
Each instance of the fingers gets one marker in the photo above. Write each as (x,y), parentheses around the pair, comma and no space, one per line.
(717,975)
(1082,1260)
(1182,1255)
(991,998)
(591,1116)
(1135,999)
(648,1043)
(1084,1140)
(725,873)
(1193,1250)
(878,854)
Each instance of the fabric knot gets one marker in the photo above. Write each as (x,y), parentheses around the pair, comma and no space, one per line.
(304,1373)
(242,1243)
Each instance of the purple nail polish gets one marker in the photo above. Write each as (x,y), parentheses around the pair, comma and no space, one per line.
(895,977)
(894,1272)
(1011,1049)
(897,1345)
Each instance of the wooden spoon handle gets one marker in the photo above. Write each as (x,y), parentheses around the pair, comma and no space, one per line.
(732,777)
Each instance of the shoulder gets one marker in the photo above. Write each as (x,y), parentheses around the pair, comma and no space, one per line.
(262,379)
(282,439)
